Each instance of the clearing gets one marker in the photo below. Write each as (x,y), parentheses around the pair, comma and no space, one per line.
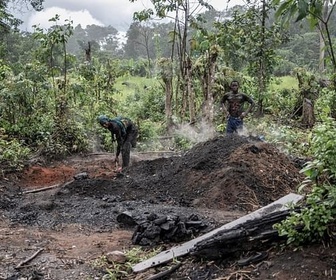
(90,211)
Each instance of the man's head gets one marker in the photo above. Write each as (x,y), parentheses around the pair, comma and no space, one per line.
(103,120)
(234,85)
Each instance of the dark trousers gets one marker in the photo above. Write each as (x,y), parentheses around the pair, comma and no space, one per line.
(130,141)
(234,124)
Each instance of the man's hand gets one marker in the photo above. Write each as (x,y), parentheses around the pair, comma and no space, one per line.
(117,167)
(243,115)
(225,113)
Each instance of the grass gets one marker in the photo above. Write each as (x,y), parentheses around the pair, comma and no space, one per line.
(116,270)
(128,85)
(286,82)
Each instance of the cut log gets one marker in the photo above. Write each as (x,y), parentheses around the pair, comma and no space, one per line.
(210,238)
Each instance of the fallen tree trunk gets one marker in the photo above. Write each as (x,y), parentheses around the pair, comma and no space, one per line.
(253,234)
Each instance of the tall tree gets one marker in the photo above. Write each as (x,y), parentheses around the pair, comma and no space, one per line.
(205,51)
(132,35)
(140,43)
(322,30)
(318,13)
(181,12)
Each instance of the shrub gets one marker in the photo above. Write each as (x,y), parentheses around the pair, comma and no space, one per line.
(314,220)
(12,154)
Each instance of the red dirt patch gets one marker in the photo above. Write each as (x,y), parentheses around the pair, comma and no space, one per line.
(95,165)
(42,176)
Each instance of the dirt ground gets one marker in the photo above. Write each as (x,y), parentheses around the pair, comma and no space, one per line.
(59,219)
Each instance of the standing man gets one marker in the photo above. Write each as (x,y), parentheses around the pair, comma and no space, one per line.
(124,131)
(234,110)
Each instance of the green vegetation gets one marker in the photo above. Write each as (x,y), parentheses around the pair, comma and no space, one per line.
(121,270)
(316,219)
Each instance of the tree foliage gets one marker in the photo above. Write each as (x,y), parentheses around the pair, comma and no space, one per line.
(318,13)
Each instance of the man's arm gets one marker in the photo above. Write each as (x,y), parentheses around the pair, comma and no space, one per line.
(116,136)
(250,108)
(223,106)
(120,142)
(252,104)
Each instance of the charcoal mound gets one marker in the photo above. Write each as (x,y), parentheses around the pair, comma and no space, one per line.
(226,173)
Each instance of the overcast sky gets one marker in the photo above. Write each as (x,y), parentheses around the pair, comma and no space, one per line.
(117,13)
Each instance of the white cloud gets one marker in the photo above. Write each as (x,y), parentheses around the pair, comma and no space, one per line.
(221,5)
(117,13)
(82,17)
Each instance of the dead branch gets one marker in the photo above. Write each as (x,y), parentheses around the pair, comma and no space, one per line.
(165,273)
(28,259)
(48,188)
(100,154)
(241,273)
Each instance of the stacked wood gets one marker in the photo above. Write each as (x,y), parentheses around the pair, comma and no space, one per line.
(172,228)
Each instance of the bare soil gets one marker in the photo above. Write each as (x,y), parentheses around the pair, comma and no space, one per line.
(63,232)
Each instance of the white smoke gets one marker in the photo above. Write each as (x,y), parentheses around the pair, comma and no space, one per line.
(196,133)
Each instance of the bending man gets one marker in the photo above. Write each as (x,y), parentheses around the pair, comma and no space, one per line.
(124,131)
